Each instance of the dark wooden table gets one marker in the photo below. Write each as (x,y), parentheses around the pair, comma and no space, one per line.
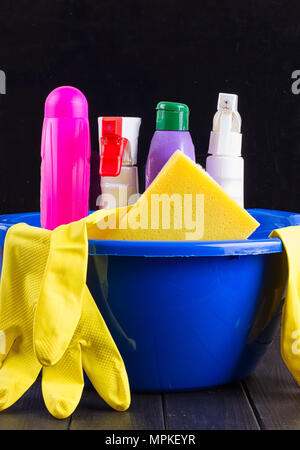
(268,399)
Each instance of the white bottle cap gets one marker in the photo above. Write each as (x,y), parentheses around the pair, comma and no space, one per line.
(226,137)
(121,190)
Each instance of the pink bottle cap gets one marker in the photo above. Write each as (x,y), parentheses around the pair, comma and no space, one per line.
(66,101)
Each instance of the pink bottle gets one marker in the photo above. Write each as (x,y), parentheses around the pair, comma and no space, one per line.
(65,151)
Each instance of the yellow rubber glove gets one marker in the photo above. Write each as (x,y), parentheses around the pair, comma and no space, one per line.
(18,298)
(45,303)
(290,321)
(93,349)
(64,281)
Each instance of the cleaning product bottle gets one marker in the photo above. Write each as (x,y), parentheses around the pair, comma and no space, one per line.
(65,152)
(172,125)
(225,163)
(118,140)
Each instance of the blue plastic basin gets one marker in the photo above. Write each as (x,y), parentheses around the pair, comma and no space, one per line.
(188,315)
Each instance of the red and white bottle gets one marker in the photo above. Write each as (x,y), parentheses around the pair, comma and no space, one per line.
(118,142)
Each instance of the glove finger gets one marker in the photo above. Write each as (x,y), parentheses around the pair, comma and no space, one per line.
(18,373)
(102,222)
(19,292)
(7,338)
(62,384)
(101,359)
(59,306)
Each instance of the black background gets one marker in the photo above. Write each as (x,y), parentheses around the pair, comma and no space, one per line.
(126,55)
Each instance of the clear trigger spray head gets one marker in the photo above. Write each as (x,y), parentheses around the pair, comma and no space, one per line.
(226,135)
(227,105)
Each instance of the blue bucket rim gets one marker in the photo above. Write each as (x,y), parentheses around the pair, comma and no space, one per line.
(185,249)
(171,248)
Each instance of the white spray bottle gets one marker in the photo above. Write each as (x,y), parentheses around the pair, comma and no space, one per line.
(225,163)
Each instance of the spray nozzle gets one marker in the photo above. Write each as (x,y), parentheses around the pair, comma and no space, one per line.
(226,138)
(112,146)
(118,143)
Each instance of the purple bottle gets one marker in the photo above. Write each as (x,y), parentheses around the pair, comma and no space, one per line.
(172,125)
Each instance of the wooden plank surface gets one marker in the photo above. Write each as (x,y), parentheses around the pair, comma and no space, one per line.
(145,413)
(221,408)
(268,399)
(274,393)
(30,413)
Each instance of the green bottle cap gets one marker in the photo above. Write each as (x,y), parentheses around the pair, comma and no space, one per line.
(172,116)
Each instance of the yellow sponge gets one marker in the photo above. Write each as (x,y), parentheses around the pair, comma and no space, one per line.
(184,203)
